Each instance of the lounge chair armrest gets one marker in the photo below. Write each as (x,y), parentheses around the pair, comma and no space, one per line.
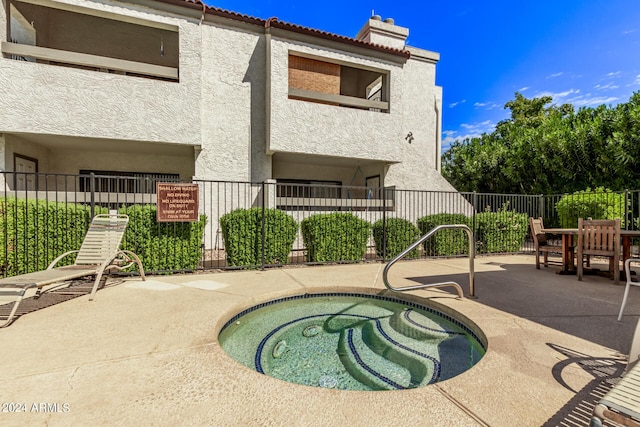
(55,261)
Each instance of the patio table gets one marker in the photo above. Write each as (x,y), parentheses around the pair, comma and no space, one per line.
(567,243)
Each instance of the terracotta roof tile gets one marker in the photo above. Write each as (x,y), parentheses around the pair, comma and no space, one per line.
(276,23)
(234,15)
(192,4)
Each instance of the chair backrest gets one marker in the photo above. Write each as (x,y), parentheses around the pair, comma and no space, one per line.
(536,230)
(103,239)
(599,236)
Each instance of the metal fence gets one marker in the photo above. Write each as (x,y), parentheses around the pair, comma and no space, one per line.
(501,214)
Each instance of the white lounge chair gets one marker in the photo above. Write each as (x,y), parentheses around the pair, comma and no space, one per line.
(99,253)
(622,403)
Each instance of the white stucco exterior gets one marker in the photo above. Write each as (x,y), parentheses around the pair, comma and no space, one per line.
(228,114)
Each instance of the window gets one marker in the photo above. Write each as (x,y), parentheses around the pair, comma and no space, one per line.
(325,82)
(307,188)
(124,182)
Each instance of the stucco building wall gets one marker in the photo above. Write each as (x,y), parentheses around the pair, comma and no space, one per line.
(229,116)
(318,129)
(65,101)
(232,106)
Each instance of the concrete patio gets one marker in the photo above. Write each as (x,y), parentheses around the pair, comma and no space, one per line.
(145,353)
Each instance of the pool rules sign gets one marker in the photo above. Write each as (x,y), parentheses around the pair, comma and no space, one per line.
(177,202)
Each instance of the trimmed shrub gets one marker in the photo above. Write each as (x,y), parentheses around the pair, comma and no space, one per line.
(400,234)
(599,204)
(335,237)
(444,242)
(33,233)
(163,246)
(242,232)
(502,231)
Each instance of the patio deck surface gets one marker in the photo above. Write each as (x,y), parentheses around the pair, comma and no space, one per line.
(146,353)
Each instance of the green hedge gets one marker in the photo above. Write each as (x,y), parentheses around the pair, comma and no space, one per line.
(33,233)
(242,232)
(400,234)
(163,246)
(335,237)
(502,231)
(445,242)
(599,204)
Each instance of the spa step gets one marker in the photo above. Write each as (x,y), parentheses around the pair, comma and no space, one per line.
(420,358)
(417,326)
(366,366)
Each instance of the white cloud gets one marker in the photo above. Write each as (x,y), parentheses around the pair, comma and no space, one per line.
(554,75)
(637,81)
(522,89)
(588,100)
(614,74)
(467,130)
(627,32)
(608,86)
(558,96)
(454,104)
(486,105)
(575,97)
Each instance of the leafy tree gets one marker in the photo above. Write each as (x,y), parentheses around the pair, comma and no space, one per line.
(546,148)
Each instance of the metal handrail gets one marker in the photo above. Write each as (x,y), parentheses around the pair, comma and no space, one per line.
(433,285)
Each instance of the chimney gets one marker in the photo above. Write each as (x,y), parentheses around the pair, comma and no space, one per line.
(384,33)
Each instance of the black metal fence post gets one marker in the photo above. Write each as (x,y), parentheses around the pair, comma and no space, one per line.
(541,206)
(92,190)
(262,232)
(384,225)
(627,217)
(475,225)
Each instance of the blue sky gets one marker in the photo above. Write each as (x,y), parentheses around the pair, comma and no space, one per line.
(583,52)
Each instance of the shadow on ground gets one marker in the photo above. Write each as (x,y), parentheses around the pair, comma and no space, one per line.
(587,309)
(31,304)
(606,373)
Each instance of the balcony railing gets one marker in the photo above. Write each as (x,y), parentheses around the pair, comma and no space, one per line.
(343,100)
(99,63)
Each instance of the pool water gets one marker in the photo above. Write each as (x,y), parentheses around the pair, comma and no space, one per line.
(351,342)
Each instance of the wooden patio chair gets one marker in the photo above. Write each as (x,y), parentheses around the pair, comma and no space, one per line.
(540,243)
(599,237)
(99,253)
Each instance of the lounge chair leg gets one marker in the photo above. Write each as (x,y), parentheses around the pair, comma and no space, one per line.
(96,284)
(10,319)
(16,304)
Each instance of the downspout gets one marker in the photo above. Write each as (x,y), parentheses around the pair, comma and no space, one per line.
(204,10)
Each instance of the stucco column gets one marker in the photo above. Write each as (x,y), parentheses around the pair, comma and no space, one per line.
(270,191)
